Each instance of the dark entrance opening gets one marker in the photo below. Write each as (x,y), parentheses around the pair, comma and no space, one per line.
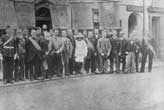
(43,16)
(135,25)
(132,23)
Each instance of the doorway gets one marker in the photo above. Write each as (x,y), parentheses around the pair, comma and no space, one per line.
(135,25)
(43,16)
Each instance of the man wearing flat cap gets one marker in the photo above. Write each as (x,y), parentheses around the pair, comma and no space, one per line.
(114,56)
(122,51)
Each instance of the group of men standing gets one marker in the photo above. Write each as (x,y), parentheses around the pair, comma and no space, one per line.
(38,53)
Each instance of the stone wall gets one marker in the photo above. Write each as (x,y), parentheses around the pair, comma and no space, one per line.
(82,15)
(162,37)
(25,14)
(7,14)
(158,3)
(137,2)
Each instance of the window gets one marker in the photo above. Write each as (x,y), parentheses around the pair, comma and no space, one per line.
(95,18)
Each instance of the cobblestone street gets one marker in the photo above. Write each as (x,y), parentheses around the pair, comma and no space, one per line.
(140,91)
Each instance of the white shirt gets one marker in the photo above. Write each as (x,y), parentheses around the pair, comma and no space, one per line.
(47,35)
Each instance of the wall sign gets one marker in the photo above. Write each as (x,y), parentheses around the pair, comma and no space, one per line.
(134,8)
(60,16)
(25,14)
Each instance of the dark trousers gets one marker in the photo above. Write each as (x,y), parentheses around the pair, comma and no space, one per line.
(137,61)
(102,67)
(144,57)
(30,74)
(71,65)
(78,67)
(37,67)
(51,65)
(27,70)
(19,68)
(34,68)
(8,66)
(90,63)
(27,67)
(55,64)
(114,57)
(123,61)
(97,61)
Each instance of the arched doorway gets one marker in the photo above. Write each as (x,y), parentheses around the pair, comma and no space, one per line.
(43,14)
(135,25)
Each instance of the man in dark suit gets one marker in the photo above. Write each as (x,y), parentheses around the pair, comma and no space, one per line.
(43,53)
(20,61)
(114,55)
(8,49)
(92,53)
(122,52)
(32,50)
(97,36)
(25,33)
(137,51)
(72,59)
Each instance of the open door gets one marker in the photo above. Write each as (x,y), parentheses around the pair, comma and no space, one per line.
(42,14)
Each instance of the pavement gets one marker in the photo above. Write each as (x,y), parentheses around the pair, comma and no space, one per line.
(137,91)
(156,64)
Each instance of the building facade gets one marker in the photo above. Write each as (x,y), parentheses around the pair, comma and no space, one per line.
(132,16)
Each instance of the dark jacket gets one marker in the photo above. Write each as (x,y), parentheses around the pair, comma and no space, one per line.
(43,43)
(93,40)
(8,49)
(71,38)
(137,47)
(20,44)
(31,51)
(115,44)
(91,44)
(97,38)
(130,46)
(123,46)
